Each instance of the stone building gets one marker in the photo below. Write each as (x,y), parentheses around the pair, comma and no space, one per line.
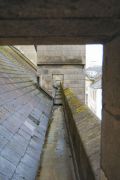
(65,22)
(93,89)
(62,63)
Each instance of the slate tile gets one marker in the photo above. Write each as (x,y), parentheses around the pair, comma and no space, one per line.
(25,111)
(36,114)
(36,145)
(20,139)
(12,125)
(28,139)
(27,128)
(34,119)
(32,152)
(24,134)
(5,133)
(6,168)
(17,147)
(3,177)
(42,130)
(11,155)
(19,177)
(3,114)
(30,161)
(3,142)
(31,123)
(40,133)
(26,171)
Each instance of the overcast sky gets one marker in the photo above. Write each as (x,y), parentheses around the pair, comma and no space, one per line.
(94,55)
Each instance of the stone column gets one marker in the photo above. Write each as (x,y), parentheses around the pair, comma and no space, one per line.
(110,155)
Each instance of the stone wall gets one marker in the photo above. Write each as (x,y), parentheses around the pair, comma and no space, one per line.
(61,54)
(65,62)
(84,132)
(29,51)
(73,76)
(111,110)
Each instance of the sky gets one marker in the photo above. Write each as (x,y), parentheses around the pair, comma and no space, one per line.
(94,55)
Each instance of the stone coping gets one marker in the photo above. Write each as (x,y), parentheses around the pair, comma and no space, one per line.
(88,129)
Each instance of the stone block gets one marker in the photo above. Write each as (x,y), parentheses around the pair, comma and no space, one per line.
(3,177)
(5,133)
(19,148)
(6,168)
(25,171)
(11,155)
(12,125)
(25,128)
(85,131)
(24,134)
(3,142)
(29,161)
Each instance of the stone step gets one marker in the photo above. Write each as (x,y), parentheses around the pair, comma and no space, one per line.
(57,101)
(58,96)
(58,93)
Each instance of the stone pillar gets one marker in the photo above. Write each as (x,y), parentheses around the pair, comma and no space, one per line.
(110,155)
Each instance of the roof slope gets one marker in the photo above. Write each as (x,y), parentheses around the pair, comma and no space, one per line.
(24,115)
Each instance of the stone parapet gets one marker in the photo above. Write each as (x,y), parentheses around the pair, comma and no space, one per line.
(84,129)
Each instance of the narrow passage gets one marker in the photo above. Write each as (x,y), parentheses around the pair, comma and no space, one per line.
(57,160)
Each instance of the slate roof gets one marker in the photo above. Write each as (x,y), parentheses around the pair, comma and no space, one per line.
(24,115)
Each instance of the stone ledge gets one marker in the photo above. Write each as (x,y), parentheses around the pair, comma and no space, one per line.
(85,131)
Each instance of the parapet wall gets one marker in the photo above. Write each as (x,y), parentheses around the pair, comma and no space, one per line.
(29,52)
(84,130)
(61,54)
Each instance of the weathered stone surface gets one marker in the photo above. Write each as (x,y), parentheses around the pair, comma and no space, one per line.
(61,54)
(58,22)
(23,108)
(111,111)
(3,177)
(73,76)
(29,161)
(11,155)
(29,52)
(5,133)
(24,134)
(6,168)
(59,9)
(25,171)
(3,142)
(85,131)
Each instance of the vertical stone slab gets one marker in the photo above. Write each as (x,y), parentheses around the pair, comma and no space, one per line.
(110,156)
